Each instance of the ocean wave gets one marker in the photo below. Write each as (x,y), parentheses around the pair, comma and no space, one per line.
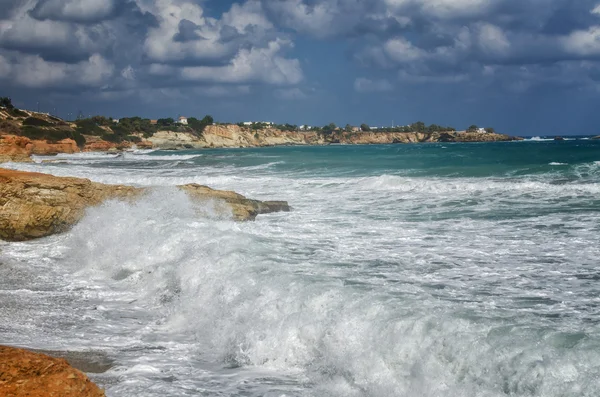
(162,157)
(460,186)
(248,302)
(538,139)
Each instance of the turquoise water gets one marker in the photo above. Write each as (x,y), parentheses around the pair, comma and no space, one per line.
(403,270)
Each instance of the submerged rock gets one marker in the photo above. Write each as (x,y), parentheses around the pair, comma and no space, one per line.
(34,205)
(24,373)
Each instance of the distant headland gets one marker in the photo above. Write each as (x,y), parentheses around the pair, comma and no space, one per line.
(24,132)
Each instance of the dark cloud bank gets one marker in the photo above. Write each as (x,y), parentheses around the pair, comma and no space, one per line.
(527,66)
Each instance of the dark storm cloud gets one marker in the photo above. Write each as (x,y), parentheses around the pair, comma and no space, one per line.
(82,11)
(188,31)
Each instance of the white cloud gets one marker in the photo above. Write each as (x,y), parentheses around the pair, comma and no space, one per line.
(317,19)
(26,32)
(582,42)
(34,72)
(401,50)
(254,65)
(247,14)
(364,85)
(443,8)
(492,40)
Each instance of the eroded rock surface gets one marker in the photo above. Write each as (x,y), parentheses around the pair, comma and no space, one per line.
(34,205)
(24,373)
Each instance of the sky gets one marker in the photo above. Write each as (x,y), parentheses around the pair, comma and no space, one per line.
(524,67)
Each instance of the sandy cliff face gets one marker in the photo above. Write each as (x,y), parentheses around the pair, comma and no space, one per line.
(176,140)
(96,144)
(229,136)
(34,205)
(23,373)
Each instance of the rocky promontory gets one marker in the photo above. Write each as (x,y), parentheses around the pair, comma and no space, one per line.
(24,373)
(34,205)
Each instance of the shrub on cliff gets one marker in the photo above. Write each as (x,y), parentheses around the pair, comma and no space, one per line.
(79,139)
(89,127)
(133,138)
(9,127)
(136,125)
(51,135)
(33,121)
(114,138)
(6,102)
(18,113)
(199,125)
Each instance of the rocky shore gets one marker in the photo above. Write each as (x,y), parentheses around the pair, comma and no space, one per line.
(25,373)
(34,205)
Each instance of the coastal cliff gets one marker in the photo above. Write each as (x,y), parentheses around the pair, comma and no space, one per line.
(24,373)
(34,205)
(229,136)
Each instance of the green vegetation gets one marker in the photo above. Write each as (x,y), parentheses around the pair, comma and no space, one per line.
(6,102)
(89,127)
(9,127)
(52,134)
(286,127)
(36,122)
(198,126)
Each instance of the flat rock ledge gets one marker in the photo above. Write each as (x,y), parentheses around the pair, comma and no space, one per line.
(24,373)
(34,205)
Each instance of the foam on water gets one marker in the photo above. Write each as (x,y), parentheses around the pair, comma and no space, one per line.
(373,286)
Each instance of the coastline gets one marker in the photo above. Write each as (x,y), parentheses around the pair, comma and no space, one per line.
(25,133)
(15,148)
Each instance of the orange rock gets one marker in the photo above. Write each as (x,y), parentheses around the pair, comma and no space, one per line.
(23,373)
(68,146)
(15,148)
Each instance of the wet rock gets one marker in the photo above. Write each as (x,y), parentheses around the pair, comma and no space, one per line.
(242,208)
(34,205)
(24,373)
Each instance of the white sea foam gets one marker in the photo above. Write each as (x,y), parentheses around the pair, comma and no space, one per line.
(539,139)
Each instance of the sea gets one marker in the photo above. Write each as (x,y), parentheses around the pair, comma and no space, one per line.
(454,269)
